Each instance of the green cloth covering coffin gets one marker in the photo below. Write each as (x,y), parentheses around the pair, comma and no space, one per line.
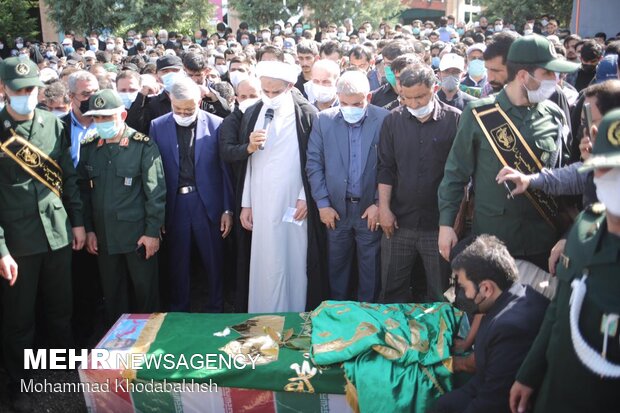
(402,351)
(395,355)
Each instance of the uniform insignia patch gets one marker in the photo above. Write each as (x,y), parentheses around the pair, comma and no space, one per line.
(128,181)
(504,136)
(613,134)
(565,261)
(22,69)
(7,124)
(100,143)
(99,102)
(140,137)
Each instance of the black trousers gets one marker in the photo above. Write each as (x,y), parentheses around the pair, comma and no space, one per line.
(47,275)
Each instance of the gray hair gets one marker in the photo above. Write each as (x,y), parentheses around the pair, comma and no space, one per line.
(80,75)
(185,89)
(353,82)
(329,66)
(417,74)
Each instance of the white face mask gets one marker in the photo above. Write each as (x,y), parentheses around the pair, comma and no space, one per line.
(499,28)
(544,91)
(109,46)
(185,120)
(276,102)
(59,113)
(323,94)
(607,190)
(424,111)
(243,106)
(236,77)
(221,69)
(527,32)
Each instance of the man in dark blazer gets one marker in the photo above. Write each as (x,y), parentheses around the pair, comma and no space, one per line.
(199,199)
(342,170)
(513,314)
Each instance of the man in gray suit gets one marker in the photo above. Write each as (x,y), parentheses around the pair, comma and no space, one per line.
(342,170)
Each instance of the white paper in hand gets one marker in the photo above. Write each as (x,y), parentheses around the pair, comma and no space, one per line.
(288,217)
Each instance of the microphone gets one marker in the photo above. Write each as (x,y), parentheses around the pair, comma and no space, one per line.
(268,119)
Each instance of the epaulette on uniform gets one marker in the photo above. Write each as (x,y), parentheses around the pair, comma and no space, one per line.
(140,137)
(596,208)
(90,139)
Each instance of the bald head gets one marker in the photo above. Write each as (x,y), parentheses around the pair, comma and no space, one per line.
(248,89)
(325,72)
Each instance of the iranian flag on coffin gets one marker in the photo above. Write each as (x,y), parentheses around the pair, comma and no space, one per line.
(233,400)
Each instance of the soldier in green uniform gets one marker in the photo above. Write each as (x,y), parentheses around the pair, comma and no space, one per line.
(574,364)
(517,127)
(40,217)
(122,182)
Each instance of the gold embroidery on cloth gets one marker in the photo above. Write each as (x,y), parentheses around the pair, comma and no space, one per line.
(440,338)
(391,324)
(144,341)
(364,329)
(256,326)
(34,162)
(301,383)
(417,343)
(260,337)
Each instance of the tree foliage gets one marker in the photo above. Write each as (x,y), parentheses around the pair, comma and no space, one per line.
(263,13)
(15,21)
(359,10)
(517,11)
(260,13)
(83,16)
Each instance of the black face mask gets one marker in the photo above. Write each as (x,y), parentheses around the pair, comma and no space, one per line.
(465,304)
(84,106)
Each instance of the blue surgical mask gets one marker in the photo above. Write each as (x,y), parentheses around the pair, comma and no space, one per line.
(128,98)
(415,31)
(107,130)
(460,32)
(390,76)
(352,114)
(24,105)
(69,50)
(299,31)
(169,79)
(435,62)
(450,83)
(476,68)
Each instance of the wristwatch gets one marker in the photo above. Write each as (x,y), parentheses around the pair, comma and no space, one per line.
(228,212)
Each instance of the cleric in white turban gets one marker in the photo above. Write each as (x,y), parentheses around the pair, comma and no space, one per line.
(284,269)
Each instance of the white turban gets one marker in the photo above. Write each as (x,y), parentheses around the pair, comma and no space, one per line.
(277,70)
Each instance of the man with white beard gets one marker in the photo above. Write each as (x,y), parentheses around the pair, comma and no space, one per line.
(288,247)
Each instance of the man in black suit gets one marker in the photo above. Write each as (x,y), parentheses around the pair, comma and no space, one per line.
(513,314)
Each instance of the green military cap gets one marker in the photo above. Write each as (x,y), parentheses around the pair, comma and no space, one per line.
(18,74)
(536,50)
(606,149)
(106,102)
